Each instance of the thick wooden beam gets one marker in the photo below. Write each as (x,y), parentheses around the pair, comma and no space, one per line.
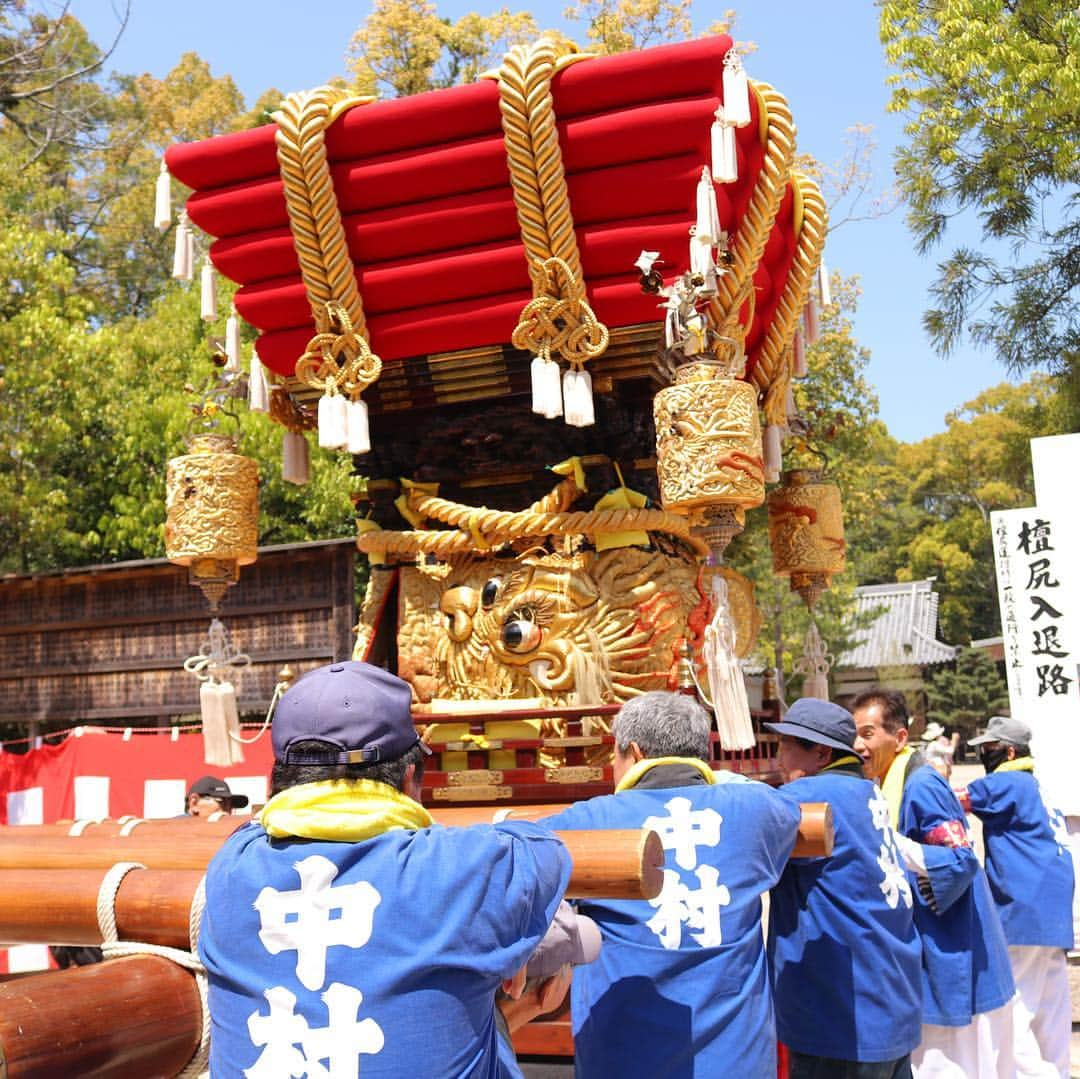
(127,1017)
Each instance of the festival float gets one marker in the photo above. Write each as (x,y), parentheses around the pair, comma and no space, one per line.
(553,317)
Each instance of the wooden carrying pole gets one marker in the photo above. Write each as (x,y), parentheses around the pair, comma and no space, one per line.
(815,838)
(134,1016)
(43,903)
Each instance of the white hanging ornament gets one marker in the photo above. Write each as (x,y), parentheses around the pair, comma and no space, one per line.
(258,390)
(358,438)
(736,90)
(295,459)
(824,285)
(547,396)
(208,281)
(578,398)
(773,446)
(333,421)
(727,687)
(814,664)
(707,226)
(182,249)
(220,724)
(725,162)
(163,200)
(189,257)
(798,354)
(232,342)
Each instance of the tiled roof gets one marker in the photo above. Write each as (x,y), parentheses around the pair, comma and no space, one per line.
(904,631)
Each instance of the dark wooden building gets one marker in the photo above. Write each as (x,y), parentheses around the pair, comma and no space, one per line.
(107,644)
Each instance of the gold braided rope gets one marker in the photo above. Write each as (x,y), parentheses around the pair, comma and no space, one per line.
(558,318)
(753,230)
(774,360)
(495,527)
(543,208)
(318,234)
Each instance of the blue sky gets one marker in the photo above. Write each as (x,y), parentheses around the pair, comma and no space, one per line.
(825,58)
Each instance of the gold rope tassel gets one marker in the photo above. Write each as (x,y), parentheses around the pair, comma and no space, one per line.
(558,319)
(338,359)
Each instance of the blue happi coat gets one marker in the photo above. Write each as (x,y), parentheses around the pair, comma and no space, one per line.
(843,952)
(1030,871)
(379,957)
(680,987)
(965,963)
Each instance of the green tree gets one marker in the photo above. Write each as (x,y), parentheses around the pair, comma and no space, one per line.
(404,47)
(981,462)
(963,694)
(992,92)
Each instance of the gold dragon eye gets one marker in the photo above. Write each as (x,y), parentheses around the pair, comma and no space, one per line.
(520,634)
(490,592)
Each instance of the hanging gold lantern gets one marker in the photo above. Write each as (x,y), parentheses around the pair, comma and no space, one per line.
(708,447)
(212,513)
(806,532)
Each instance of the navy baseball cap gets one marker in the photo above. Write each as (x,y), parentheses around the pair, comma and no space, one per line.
(362,713)
(818,721)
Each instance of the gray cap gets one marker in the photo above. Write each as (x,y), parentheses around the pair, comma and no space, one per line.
(1004,729)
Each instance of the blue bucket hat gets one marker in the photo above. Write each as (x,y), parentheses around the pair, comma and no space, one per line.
(822,722)
(362,713)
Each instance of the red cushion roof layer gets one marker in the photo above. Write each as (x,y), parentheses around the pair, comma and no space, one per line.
(424,192)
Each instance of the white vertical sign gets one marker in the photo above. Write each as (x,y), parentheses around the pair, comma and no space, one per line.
(1038,575)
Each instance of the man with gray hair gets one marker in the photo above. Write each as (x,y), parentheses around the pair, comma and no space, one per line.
(680,986)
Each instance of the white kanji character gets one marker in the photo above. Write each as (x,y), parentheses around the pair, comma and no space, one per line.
(671,910)
(704,905)
(685,829)
(341,1042)
(293,1050)
(316,917)
(879,809)
(280,1032)
(894,883)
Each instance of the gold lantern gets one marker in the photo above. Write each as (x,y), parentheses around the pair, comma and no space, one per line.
(212,513)
(806,532)
(708,448)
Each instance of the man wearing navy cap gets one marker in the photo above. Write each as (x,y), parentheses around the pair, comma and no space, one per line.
(843,952)
(343,933)
(1031,877)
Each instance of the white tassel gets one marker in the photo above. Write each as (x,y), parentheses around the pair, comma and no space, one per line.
(232,342)
(810,322)
(707,227)
(295,459)
(258,390)
(189,257)
(824,286)
(773,444)
(209,291)
(578,398)
(789,403)
(356,426)
(727,687)
(725,162)
(736,90)
(182,250)
(333,421)
(798,354)
(701,256)
(814,664)
(547,397)
(220,721)
(163,200)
